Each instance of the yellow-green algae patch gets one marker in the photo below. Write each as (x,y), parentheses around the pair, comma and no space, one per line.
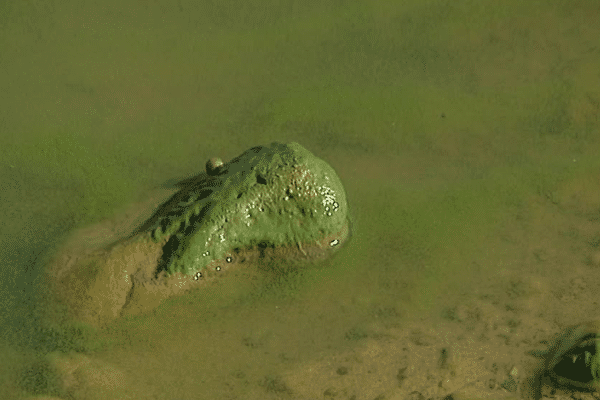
(277,195)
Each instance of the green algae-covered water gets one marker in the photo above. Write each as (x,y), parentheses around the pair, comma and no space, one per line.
(466,134)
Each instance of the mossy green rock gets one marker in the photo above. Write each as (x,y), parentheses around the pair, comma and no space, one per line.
(277,195)
(274,204)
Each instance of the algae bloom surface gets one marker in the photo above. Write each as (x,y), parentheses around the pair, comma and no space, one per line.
(277,195)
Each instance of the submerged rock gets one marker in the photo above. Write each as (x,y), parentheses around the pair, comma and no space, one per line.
(571,360)
(276,202)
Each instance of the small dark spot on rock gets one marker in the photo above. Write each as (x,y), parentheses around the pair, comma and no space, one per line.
(261,179)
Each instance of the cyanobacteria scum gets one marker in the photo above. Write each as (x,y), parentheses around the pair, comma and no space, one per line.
(277,195)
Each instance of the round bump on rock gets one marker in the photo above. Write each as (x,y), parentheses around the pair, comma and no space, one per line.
(213,166)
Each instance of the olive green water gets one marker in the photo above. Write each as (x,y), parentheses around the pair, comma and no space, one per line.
(445,120)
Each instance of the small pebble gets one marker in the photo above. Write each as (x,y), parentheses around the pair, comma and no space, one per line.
(213,166)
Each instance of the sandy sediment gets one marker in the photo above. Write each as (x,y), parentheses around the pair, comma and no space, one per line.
(75,376)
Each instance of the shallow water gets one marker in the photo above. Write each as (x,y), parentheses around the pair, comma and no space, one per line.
(466,134)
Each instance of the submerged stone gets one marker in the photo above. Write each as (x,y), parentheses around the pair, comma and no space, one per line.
(276,202)
(279,195)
